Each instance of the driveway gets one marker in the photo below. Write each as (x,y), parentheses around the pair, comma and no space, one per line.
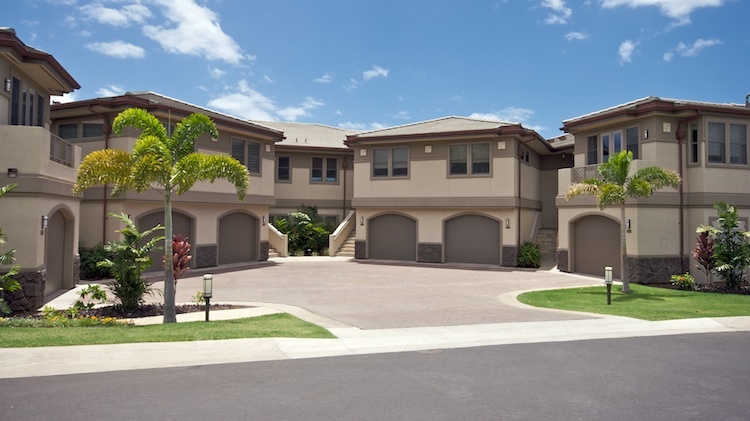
(380,295)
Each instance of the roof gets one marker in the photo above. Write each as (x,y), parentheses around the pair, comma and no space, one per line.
(655,103)
(562,142)
(444,125)
(40,66)
(309,135)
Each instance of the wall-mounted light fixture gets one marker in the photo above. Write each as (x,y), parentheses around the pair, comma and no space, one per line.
(507,223)
(563,155)
(263,220)
(45,219)
(12,172)
(6,84)
(627,225)
(645,134)
(361,220)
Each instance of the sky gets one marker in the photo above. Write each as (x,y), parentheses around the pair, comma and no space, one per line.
(368,64)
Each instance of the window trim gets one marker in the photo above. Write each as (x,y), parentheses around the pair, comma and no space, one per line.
(610,139)
(289,169)
(693,156)
(389,164)
(727,144)
(469,160)
(324,169)
(245,155)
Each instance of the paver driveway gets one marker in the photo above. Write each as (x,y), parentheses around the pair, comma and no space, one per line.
(378,295)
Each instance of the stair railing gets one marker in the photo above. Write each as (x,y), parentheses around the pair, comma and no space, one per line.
(341,233)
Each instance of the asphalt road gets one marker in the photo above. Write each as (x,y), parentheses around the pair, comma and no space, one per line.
(700,376)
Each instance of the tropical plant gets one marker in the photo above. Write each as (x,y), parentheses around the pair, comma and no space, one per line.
(731,255)
(180,256)
(615,186)
(703,253)
(529,255)
(130,257)
(89,297)
(89,262)
(161,161)
(7,282)
(307,232)
(685,282)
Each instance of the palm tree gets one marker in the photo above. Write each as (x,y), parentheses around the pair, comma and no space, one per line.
(161,161)
(615,186)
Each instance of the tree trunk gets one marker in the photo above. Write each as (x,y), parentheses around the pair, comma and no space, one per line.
(170,313)
(624,251)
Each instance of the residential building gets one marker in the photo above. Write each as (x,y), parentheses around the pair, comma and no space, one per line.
(41,216)
(706,143)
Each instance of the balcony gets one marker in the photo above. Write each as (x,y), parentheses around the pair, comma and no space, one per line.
(36,152)
(585,173)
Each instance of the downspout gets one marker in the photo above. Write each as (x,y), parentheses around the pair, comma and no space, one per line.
(680,135)
(107,131)
(343,195)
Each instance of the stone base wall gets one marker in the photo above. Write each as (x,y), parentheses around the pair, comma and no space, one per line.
(31,295)
(562,260)
(654,270)
(510,256)
(430,252)
(264,247)
(360,249)
(206,255)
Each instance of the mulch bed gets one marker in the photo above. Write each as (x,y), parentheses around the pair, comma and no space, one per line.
(148,310)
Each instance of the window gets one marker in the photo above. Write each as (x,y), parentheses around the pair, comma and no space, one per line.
(738,144)
(723,137)
(478,162)
(324,167)
(15,102)
(392,162)
(93,129)
(39,110)
(631,141)
(68,131)
(283,170)
(248,153)
(592,150)
(716,143)
(694,151)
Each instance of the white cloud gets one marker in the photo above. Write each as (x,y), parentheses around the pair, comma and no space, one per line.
(376,71)
(194,30)
(216,73)
(679,10)
(576,36)
(403,115)
(668,56)
(699,44)
(245,102)
(326,78)
(111,90)
(349,125)
(352,85)
(507,114)
(268,79)
(65,98)
(131,13)
(560,12)
(626,51)
(117,49)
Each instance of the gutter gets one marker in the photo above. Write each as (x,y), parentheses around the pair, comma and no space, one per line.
(680,135)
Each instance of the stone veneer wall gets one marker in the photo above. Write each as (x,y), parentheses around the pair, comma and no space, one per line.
(264,247)
(360,249)
(31,295)
(654,270)
(430,252)
(206,255)
(562,260)
(510,256)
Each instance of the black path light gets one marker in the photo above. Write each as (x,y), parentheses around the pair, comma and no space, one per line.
(608,281)
(208,281)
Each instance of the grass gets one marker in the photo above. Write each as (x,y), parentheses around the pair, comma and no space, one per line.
(647,303)
(269,326)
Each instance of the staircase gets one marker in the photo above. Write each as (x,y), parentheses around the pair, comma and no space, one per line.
(547,240)
(347,249)
(272,252)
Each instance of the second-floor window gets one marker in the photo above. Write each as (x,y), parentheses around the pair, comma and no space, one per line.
(283,169)
(390,162)
(324,170)
(469,159)
(26,107)
(248,153)
(723,137)
(610,144)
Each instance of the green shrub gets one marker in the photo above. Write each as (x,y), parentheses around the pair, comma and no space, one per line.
(529,255)
(731,249)
(90,259)
(685,282)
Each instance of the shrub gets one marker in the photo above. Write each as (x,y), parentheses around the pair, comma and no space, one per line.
(529,255)
(90,258)
(731,255)
(703,253)
(685,282)
(306,230)
(7,280)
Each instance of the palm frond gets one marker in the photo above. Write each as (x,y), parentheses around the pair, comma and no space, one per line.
(200,167)
(106,166)
(140,119)
(589,187)
(187,132)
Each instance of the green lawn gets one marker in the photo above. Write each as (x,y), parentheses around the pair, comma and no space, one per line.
(648,303)
(274,325)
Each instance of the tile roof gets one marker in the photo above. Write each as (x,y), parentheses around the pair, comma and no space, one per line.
(439,125)
(310,135)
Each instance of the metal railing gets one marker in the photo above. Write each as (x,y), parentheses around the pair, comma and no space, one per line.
(60,151)
(584,173)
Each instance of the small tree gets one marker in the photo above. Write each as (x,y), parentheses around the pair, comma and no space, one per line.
(7,282)
(703,253)
(731,255)
(129,260)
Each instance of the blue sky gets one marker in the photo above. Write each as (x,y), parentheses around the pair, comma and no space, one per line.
(377,63)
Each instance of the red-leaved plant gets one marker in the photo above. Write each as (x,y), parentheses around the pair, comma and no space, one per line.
(180,256)
(703,253)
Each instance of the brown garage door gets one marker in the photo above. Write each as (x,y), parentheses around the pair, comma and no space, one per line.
(392,237)
(237,238)
(596,245)
(472,239)
(181,224)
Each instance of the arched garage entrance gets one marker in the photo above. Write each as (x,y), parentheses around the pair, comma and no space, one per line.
(392,237)
(596,244)
(472,239)
(238,238)
(181,224)
(59,249)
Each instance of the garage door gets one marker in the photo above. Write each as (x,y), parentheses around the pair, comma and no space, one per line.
(181,224)
(238,238)
(472,239)
(55,257)
(392,237)
(596,245)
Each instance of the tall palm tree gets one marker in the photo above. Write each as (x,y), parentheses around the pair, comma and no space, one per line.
(168,163)
(615,186)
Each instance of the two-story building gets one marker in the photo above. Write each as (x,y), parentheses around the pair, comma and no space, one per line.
(41,216)
(706,143)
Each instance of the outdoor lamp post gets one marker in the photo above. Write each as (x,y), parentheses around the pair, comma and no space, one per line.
(208,281)
(608,281)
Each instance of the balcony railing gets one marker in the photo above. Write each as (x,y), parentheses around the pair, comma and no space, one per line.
(584,173)
(60,151)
